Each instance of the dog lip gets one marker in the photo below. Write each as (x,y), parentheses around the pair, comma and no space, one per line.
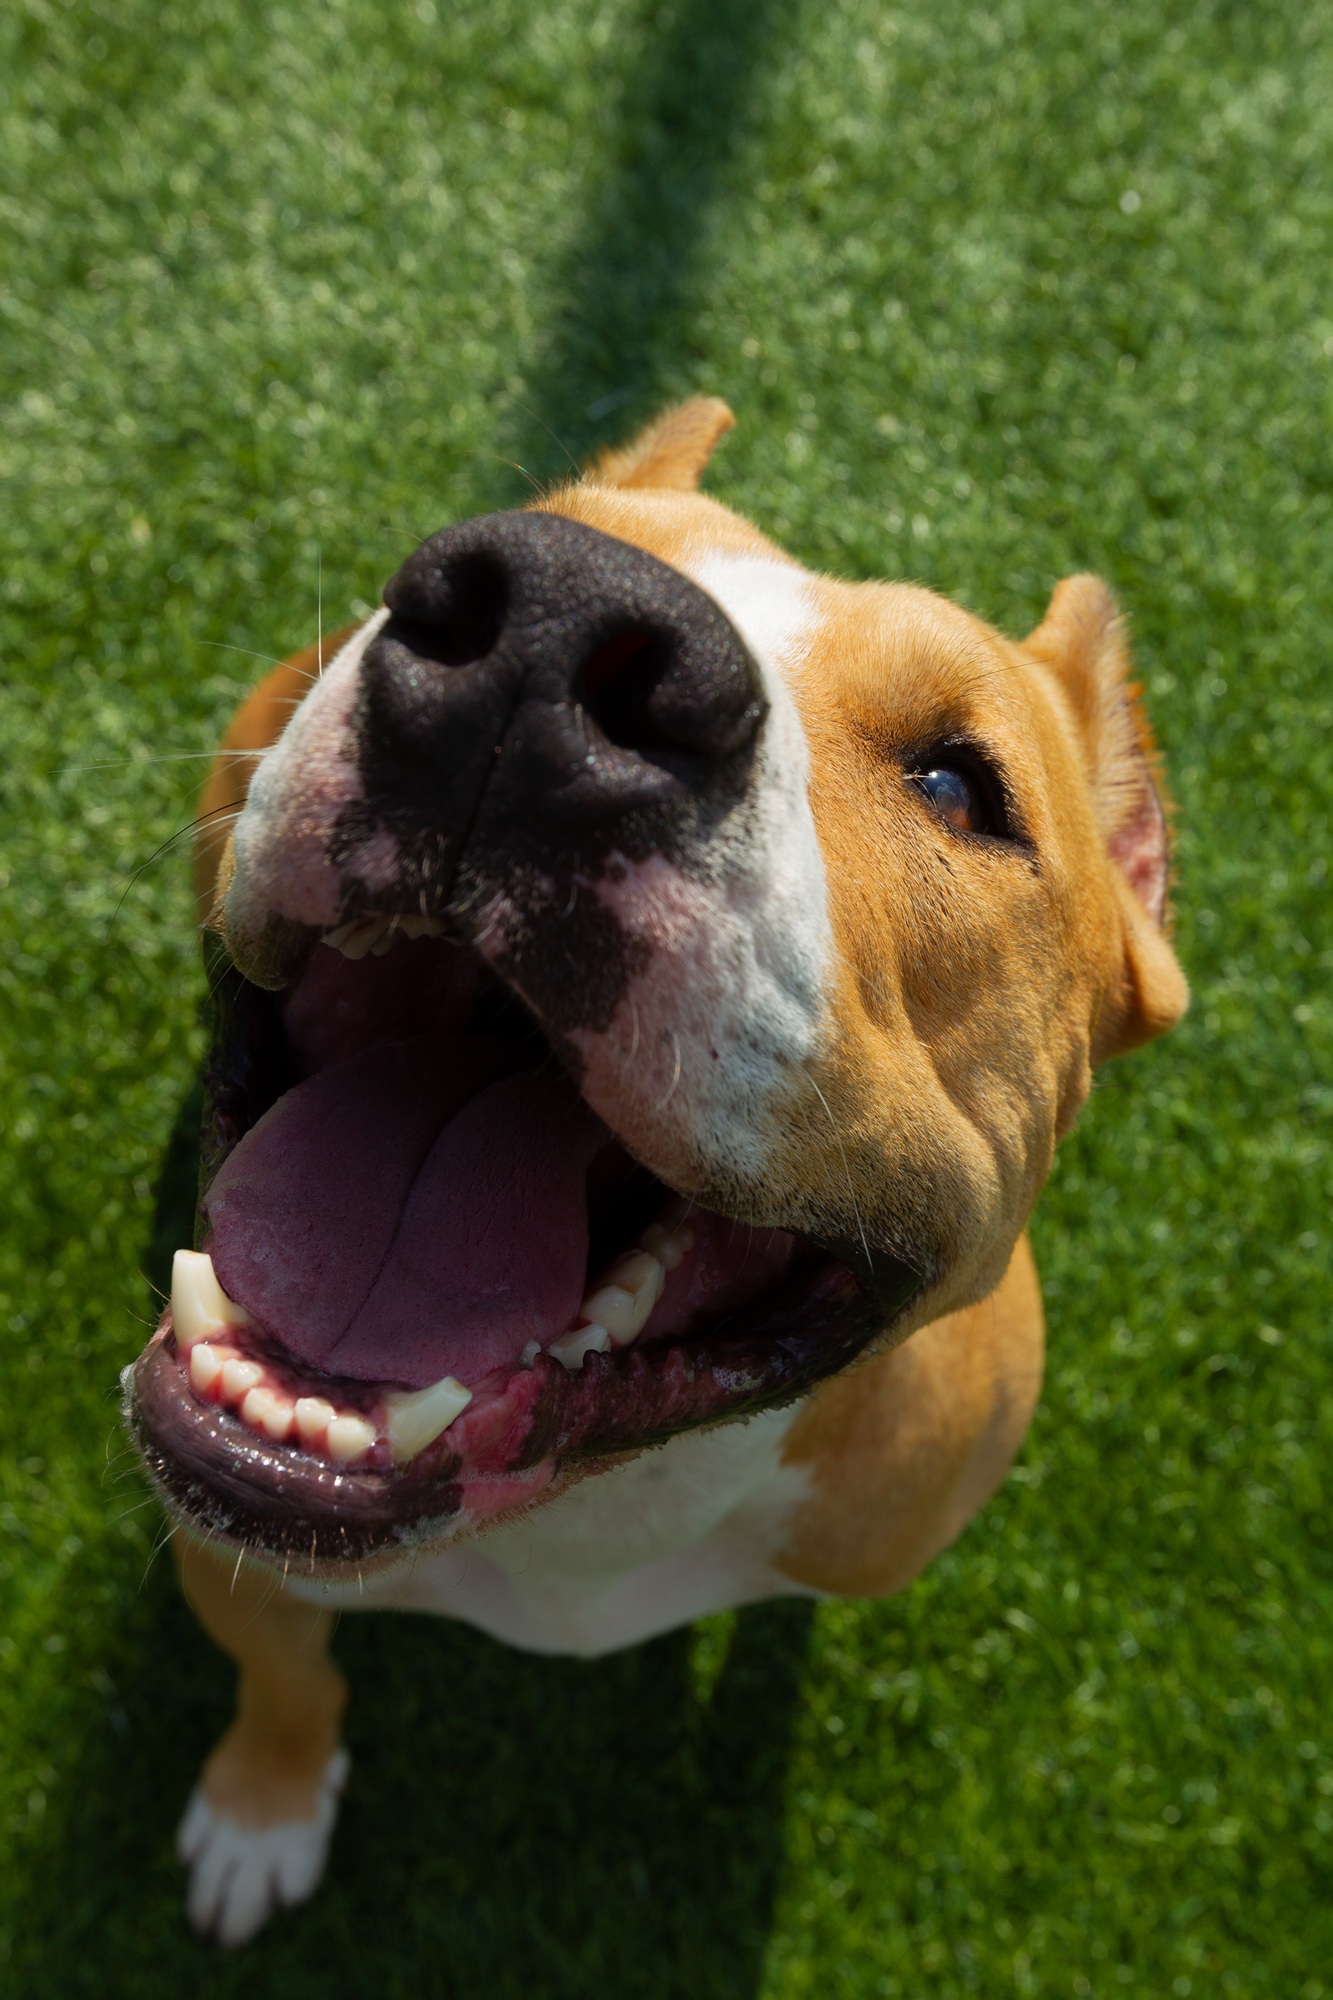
(540,1425)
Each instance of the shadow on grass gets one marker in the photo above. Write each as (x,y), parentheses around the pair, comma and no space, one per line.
(515,1826)
(621,338)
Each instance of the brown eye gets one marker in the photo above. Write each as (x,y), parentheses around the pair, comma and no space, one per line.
(955,798)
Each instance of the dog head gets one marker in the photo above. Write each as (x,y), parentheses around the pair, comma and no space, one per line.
(648,973)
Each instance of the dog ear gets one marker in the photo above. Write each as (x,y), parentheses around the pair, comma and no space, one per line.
(672,451)
(1082,642)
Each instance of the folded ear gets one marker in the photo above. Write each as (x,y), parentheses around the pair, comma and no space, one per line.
(1082,641)
(672,451)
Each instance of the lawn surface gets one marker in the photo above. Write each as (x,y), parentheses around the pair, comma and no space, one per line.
(996,295)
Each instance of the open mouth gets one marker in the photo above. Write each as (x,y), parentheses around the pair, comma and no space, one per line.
(432,1286)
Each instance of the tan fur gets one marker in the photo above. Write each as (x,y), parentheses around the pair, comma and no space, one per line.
(672,451)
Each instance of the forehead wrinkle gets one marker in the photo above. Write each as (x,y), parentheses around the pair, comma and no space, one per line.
(903,662)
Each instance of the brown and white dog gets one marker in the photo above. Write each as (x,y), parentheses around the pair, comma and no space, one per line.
(652,979)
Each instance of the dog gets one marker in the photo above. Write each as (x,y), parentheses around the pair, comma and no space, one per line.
(651,980)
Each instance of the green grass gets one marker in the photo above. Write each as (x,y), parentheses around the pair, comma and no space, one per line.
(996,295)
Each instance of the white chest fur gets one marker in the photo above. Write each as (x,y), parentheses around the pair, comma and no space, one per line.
(674,1534)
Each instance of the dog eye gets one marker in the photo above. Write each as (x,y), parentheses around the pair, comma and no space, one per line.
(956,797)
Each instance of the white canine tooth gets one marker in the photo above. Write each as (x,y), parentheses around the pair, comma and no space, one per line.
(417,1417)
(239,1377)
(200,1309)
(669,1246)
(348,1437)
(530,1353)
(313,1416)
(626,1296)
(264,1410)
(571,1347)
(205,1368)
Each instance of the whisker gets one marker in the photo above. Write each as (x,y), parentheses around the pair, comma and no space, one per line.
(675,1041)
(851,1186)
(222,646)
(167,757)
(156,1550)
(218,816)
(574,465)
(514,466)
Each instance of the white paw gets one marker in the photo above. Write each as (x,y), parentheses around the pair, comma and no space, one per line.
(240,1874)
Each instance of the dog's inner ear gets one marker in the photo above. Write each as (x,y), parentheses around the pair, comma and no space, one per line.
(672,451)
(1081,640)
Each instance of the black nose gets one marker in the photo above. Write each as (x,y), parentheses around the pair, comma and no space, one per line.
(540,681)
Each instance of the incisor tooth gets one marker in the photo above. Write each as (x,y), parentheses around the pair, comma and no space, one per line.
(205,1368)
(239,1377)
(265,1411)
(377,935)
(313,1416)
(348,1437)
(356,938)
(580,1340)
(418,1416)
(199,1306)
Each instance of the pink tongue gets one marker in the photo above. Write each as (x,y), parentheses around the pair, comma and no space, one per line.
(412,1213)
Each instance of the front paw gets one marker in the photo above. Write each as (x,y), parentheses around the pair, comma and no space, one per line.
(240,1874)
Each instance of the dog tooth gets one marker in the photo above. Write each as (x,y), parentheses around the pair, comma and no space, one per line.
(626,1296)
(239,1377)
(348,1437)
(669,1246)
(206,1366)
(313,1416)
(418,1416)
(571,1347)
(530,1353)
(355,938)
(199,1306)
(264,1410)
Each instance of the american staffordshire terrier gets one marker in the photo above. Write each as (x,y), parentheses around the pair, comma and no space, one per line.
(651,980)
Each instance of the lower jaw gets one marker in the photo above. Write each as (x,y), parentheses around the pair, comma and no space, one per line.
(526,1435)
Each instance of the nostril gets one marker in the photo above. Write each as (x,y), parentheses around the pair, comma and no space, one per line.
(616,685)
(459,618)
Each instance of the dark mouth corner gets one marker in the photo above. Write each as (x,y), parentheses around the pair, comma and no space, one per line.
(743,1320)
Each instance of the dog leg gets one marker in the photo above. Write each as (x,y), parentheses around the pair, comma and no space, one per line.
(256,1831)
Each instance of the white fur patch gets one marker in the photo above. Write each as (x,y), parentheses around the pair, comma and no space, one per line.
(768,602)
(730,1005)
(239,1875)
(668,1537)
(282,837)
